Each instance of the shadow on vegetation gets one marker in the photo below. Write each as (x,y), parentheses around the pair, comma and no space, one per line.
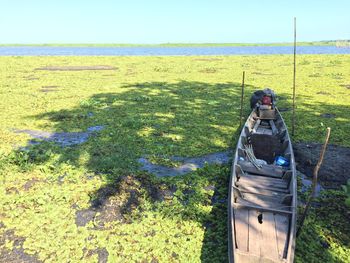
(154,119)
(159,119)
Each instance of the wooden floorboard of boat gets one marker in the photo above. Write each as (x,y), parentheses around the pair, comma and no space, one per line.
(246,257)
(282,225)
(269,247)
(255,236)
(264,238)
(241,228)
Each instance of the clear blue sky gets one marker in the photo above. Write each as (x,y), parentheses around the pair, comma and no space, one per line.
(162,21)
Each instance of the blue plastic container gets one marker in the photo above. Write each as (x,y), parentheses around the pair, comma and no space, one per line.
(281,161)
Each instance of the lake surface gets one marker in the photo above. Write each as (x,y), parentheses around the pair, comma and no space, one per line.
(167,51)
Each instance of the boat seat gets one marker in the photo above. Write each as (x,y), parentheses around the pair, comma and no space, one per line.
(261,199)
(266,170)
(284,180)
(259,204)
(262,189)
(263,181)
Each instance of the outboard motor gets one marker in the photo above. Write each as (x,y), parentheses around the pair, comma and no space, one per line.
(264,103)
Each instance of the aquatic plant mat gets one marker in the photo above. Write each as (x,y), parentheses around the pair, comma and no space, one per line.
(72,135)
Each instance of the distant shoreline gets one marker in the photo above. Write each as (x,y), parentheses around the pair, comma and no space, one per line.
(167,50)
(315,43)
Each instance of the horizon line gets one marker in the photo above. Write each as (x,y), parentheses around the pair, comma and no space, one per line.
(169,43)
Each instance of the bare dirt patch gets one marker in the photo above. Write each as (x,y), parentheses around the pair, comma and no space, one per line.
(17,254)
(316,75)
(209,70)
(130,72)
(118,201)
(82,217)
(345,86)
(334,170)
(49,88)
(102,254)
(77,68)
(30,183)
(323,93)
(11,190)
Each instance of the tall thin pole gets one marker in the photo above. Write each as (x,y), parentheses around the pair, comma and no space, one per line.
(294,71)
(242,94)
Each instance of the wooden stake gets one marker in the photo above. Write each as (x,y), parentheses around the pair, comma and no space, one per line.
(314,180)
(294,71)
(242,94)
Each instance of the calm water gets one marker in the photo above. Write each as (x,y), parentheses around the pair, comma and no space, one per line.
(166,51)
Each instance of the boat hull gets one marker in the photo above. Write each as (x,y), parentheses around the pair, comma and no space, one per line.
(262,196)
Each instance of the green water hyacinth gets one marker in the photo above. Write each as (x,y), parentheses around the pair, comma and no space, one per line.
(89,201)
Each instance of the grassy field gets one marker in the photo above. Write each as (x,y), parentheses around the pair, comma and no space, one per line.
(91,202)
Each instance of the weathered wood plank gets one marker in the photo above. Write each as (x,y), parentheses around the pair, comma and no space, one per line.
(241,228)
(282,226)
(258,186)
(263,178)
(267,170)
(261,191)
(282,210)
(263,199)
(260,180)
(255,237)
(249,258)
(269,247)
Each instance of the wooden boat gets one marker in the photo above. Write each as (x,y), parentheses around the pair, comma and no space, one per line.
(262,195)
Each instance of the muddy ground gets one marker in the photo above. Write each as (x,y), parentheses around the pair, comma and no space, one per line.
(17,253)
(118,201)
(334,170)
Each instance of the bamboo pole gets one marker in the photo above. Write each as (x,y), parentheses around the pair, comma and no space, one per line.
(314,181)
(242,94)
(294,71)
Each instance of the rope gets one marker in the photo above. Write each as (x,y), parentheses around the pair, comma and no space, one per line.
(251,157)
